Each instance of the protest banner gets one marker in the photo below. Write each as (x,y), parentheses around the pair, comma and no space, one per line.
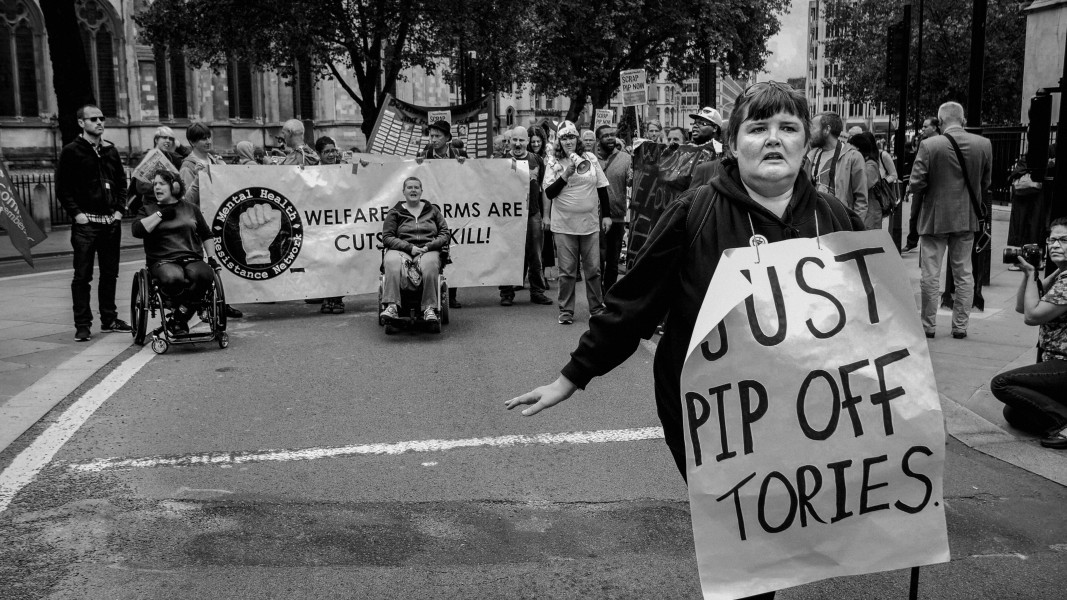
(289,232)
(633,88)
(814,437)
(604,116)
(153,161)
(401,127)
(661,174)
(15,219)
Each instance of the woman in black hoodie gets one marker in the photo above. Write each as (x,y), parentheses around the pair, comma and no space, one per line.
(761,191)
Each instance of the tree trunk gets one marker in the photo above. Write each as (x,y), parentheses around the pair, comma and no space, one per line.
(70,68)
(577,104)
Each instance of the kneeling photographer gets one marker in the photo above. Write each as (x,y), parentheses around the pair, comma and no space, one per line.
(1035,396)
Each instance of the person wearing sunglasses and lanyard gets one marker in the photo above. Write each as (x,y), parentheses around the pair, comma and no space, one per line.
(1035,396)
(91,186)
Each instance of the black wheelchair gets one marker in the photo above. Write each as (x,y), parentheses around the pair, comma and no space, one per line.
(409,309)
(146,300)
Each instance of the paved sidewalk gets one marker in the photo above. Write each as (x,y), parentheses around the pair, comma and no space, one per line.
(40,363)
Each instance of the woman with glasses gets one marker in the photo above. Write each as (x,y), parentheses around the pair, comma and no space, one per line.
(761,192)
(578,209)
(1035,396)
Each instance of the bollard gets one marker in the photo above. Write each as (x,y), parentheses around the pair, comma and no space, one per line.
(41,208)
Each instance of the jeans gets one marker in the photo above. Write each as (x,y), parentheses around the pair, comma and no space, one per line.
(90,241)
(183,283)
(396,277)
(931,254)
(1034,397)
(610,247)
(531,264)
(569,249)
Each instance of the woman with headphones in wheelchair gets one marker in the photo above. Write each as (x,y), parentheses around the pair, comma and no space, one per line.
(414,235)
(174,233)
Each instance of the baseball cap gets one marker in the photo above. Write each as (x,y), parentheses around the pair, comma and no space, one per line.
(708,114)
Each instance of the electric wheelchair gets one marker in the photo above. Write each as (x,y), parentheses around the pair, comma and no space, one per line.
(409,308)
(147,302)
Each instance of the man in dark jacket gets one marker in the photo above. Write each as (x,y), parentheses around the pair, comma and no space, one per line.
(440,146)
(91,185)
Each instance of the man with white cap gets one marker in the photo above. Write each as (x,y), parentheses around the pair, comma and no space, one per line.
(707,127)
(534,229)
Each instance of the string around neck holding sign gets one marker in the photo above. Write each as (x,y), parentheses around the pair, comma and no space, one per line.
(756,240)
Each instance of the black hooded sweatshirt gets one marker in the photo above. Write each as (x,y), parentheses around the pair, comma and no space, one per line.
(670,278)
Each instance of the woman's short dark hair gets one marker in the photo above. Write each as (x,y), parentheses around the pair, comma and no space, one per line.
(764,100)
(170,178)
(322,142)
(866,144)
(197,131)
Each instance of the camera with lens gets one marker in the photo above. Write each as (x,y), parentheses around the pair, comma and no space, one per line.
(1031,253)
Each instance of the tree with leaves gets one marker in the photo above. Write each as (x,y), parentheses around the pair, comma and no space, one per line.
(860,43)
(583,46)
(70,68)
(373,39)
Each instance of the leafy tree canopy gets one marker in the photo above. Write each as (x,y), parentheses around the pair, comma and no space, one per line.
(860,42)
(375,39)
(582,46)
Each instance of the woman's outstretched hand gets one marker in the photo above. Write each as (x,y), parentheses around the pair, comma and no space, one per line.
(543,397)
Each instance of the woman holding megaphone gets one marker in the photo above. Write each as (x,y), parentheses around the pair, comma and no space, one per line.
(578,209)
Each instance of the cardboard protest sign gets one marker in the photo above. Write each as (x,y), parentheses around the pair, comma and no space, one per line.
(289,232)
(814,438)
(603,116)
(153,161)
(401,127)
(15,219)
(633,88)
(661,174)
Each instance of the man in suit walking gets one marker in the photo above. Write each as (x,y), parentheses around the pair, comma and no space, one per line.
(947,219)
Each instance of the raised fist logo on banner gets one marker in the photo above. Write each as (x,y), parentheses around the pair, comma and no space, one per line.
(259,226)
(258,233)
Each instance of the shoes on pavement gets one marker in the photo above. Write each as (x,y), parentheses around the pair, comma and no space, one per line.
(566,318)
(429,315)
(908,248)
(930,334)
(1056,441)
(177,327)
(959,335)
(233,313)
(116,325)
(332,306)
(507,301)
(390,314)
(540,299)
(82,334)
(454,303)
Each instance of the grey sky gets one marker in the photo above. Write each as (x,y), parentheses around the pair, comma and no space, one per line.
(789,47)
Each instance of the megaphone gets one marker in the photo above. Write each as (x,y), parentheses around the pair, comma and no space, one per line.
(581,165)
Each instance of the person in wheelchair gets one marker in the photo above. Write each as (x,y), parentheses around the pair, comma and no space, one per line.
(174,233)
(415,235)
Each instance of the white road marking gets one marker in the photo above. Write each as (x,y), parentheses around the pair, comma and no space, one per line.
(30,461)
(224,459)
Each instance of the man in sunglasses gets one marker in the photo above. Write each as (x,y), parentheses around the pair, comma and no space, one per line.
(91,185)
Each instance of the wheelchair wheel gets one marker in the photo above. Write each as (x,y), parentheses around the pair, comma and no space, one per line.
(223,339)
(139,307)
(443,313)
(381,319)
(160,345)
(218,304)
